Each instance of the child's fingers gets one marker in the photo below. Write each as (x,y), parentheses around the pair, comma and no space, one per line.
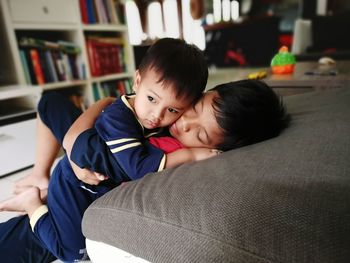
(93,181)
(100,177)
(216,152)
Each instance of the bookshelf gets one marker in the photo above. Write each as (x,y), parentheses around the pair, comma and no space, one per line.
(43,47)
(47,44)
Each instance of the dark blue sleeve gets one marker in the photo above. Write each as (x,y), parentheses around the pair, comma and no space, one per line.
(90,151)
(119,128)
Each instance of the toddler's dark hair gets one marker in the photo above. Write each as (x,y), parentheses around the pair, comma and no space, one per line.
(177,63)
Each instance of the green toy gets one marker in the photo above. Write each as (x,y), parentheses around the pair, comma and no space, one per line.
(283,62)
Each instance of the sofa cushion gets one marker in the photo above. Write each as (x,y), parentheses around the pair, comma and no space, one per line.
(286,199)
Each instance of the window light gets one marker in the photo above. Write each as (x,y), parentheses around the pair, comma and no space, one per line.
(234,10)
(155,21)
(134,23)
(217,10)
(226,10)
(193,32)
(171,18)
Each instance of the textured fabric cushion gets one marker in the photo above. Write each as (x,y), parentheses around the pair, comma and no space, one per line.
(283,200)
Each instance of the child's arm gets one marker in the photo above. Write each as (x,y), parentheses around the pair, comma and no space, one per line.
(176,154)
(85,121)
(188,155)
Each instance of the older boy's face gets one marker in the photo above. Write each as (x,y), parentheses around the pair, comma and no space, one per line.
(156,105)
(197,127)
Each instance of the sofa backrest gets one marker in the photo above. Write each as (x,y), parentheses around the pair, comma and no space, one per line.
(286,199)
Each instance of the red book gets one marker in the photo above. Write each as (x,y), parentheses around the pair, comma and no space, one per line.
(83,11)
(115,55)
(93,58)
(34,54)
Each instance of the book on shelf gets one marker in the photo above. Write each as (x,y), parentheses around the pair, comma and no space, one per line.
(51,66)
(49,61)
(119,11)
(91,17)
(95,91)
(29,63)
(83,11)
(102,11)
(115,88)
(38,71)
(105,55)
(25,66)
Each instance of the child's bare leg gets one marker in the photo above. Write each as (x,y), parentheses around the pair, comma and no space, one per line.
(27,201)
(46,152)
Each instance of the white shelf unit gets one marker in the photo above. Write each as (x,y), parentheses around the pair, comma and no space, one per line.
(53,20)
(17,101)
(17,127)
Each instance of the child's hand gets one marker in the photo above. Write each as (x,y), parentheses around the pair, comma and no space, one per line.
(87,176)
(203,153)
(90,177)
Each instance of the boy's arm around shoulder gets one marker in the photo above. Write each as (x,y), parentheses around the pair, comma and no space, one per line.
(85,121)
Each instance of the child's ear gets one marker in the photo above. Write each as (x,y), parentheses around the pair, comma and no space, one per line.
(137,81)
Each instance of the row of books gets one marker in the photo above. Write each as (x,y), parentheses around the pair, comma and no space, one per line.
(114,88)
(101,11)
(106,55)
(46,61)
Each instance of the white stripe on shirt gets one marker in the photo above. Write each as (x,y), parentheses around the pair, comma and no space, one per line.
(127,146)
(113,142)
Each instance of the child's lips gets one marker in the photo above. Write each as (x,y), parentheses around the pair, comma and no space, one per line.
(173,129)
(152,124)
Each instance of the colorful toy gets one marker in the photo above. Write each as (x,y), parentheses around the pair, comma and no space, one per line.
(283,62)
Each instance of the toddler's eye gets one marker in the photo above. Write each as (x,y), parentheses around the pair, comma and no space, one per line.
(150,98)
(172,110)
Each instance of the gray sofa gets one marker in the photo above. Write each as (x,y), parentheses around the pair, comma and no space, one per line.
(282,200)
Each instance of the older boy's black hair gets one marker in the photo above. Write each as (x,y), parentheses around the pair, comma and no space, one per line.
(179,64)
(248,111)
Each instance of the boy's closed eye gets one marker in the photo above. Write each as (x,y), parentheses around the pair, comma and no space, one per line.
(203,137)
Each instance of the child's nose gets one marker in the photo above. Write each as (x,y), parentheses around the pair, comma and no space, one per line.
(186,124)
(158,114)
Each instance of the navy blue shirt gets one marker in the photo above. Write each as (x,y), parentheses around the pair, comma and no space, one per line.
(132,156)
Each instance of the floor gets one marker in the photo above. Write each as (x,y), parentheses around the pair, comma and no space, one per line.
(6,186)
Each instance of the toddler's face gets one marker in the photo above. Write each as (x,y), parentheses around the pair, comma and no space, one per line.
(155,105)
(197,127)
